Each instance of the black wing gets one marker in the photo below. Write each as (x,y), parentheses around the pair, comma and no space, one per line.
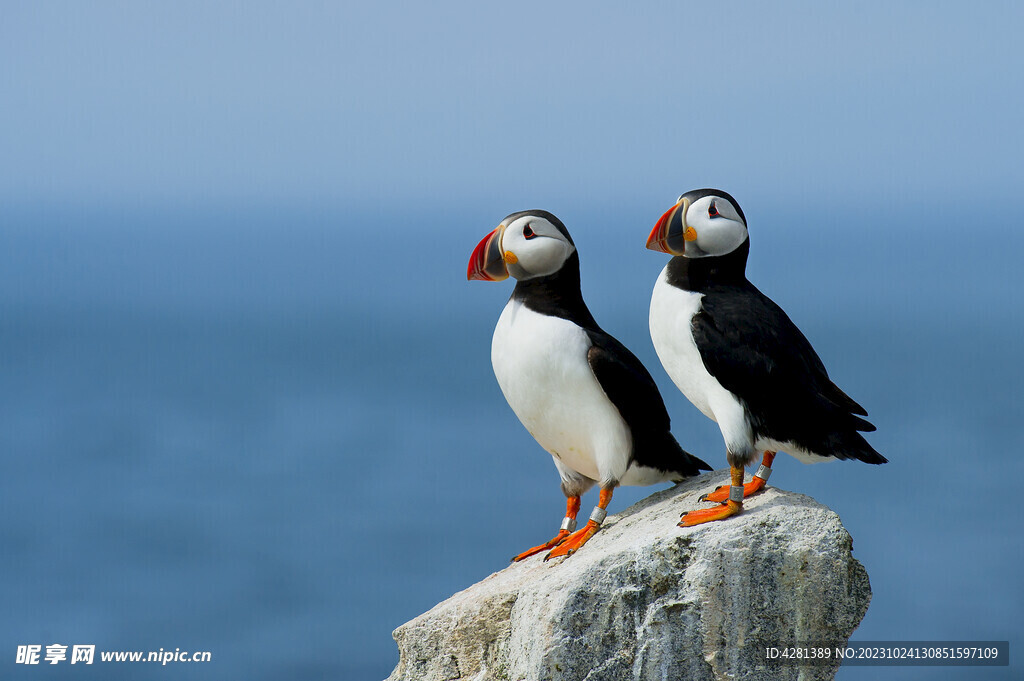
(631,389)
(755,351)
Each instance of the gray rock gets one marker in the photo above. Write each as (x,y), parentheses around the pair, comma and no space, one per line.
(645,599)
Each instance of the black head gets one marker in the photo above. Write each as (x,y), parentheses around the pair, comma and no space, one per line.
(526,245)
(703,223)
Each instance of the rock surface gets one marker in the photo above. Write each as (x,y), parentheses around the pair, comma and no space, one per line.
(645,599)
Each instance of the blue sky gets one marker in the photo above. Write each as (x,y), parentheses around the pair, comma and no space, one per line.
(522,104)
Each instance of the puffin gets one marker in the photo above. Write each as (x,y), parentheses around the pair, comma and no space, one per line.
(579,392)
(738,357)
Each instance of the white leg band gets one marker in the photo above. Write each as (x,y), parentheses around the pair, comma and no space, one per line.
(763,472)
(568,524)
(736,493)
(598,515)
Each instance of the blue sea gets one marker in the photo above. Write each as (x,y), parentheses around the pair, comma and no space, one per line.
(273,433)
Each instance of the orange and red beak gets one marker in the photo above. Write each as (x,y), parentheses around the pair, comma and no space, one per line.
(487,262)
(671,233)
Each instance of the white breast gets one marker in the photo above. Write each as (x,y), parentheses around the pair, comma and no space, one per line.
(672,311)
(541,365)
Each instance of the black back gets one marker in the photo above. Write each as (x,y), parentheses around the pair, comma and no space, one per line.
(755,351)
(622,376)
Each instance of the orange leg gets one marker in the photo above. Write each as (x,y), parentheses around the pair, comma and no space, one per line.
(719,512)
(578,538)
(572,507)
(755,485)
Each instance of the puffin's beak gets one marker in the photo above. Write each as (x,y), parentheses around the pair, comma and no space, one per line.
(487,262)
(671,233)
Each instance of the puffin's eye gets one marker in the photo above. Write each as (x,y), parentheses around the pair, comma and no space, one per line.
(713,210)
(528,232)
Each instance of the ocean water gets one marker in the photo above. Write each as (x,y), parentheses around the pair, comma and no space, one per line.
(274,434)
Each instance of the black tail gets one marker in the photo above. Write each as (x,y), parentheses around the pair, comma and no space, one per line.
(852,445)
(663,453)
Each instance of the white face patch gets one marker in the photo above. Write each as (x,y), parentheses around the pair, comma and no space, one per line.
(719,227)
(537,247)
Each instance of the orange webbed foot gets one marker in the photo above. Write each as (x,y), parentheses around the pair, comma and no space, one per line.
(756,484)
(574,541)
(721,494)
(551,543)
(707,515)
(572,507)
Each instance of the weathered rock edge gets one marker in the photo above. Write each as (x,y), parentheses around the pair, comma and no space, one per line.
(645,599)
